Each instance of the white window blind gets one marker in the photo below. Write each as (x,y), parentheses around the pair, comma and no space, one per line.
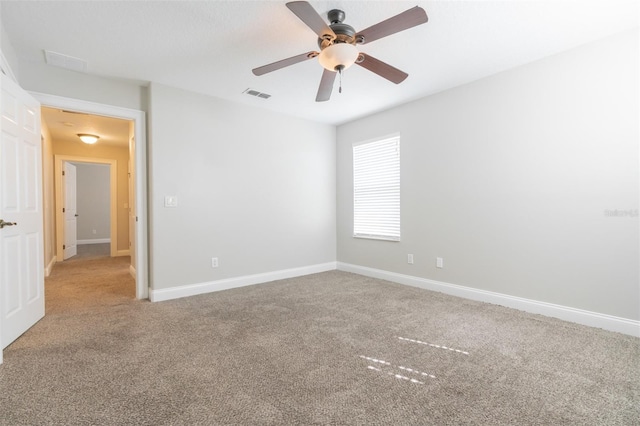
(376,189)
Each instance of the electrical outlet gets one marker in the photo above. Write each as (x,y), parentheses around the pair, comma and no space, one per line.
(410,259)
(439,262)
(214,262)
(94,232)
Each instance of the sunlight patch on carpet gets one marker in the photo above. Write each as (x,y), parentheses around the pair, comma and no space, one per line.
(382,364)
(397,376)
(379,361)
(433,345)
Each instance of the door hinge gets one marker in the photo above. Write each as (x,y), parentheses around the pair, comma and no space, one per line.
(63,173)
(63,210)
(64,247)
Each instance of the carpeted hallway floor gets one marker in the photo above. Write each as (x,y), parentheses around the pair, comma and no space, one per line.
(332,348)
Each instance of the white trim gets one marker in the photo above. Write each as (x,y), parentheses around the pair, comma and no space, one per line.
(49,267)
(95,241)
(579,316)
(142,284)
(211,286)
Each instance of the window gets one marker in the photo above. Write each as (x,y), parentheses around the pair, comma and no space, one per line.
(376,189)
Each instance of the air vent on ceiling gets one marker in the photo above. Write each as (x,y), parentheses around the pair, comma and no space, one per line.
(253,92)
(65,61)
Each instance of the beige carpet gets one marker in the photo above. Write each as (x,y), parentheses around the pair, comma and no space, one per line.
(92,250)
(332,348)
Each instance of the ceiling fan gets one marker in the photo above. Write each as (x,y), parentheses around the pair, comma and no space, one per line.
(337,42)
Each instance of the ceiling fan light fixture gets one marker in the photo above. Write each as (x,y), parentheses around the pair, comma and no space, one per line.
(337,42)
(88,139)
(338,56)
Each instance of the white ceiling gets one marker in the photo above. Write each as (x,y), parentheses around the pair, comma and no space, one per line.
(211,46)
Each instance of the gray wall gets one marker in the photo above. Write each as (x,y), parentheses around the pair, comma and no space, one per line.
(93,205)
(508,179)
(43,78)
(255,189)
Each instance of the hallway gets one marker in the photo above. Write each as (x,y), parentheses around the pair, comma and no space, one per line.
(89,280)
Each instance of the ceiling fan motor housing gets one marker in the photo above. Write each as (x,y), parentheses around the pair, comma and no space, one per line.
(344,33)
(336,15)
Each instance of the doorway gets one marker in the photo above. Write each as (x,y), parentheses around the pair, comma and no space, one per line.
(93,203)
(137,207)
(63,233)
(92,217)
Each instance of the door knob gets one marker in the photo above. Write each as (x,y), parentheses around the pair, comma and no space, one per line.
(3,223)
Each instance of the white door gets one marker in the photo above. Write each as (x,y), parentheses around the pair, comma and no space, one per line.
(21,243)
(70,210)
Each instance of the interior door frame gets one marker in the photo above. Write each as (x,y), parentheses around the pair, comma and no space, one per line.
(138,117)
(59,161)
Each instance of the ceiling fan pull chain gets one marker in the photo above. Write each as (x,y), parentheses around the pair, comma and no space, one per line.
(340,85)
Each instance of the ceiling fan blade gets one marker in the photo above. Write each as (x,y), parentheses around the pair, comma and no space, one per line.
(284,63)
(383,69)
(405,20)
(309,16)
(326,86)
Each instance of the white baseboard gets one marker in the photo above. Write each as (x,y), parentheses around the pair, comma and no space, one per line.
(132,271)
(95,241)
(579,316)
(49,267)
(208,287)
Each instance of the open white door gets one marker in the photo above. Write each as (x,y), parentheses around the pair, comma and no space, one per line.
(21,239)
(70,210)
